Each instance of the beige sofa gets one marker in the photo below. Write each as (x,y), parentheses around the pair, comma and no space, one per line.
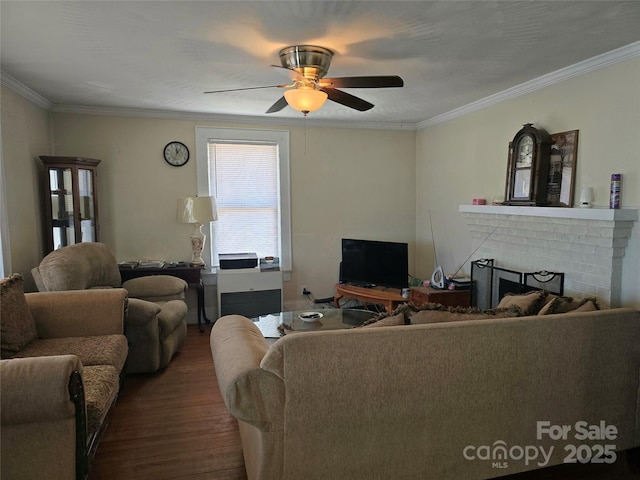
(455,400)
(156,325)
(60,373)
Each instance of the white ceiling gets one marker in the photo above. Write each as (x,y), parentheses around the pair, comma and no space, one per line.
(162,55)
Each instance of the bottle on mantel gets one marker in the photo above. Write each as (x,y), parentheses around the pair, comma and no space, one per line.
(616,190)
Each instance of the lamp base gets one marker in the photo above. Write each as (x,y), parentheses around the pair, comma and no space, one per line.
(197,245)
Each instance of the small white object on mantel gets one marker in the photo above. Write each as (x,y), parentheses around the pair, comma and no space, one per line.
(586,197)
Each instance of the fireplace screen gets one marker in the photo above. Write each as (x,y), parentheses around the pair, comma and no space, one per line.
(550,281)
(491,283)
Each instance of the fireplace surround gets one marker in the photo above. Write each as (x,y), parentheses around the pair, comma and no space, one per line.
(588,245)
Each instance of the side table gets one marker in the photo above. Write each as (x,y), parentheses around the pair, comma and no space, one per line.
(448,298)
(191,275)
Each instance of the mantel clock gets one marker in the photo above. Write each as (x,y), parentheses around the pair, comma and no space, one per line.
(528,167)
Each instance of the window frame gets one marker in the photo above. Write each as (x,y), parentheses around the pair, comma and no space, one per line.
(206,134)
(5,249)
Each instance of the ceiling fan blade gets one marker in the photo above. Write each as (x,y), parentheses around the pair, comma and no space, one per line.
(363,82)
(279,105)
(347,99)
(292,74)
(247,88)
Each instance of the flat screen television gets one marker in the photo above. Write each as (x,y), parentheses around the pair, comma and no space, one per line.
(372,263)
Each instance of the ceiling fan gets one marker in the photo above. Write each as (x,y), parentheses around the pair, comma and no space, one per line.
(306,66)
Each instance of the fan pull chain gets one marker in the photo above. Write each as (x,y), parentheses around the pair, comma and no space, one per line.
(305,136)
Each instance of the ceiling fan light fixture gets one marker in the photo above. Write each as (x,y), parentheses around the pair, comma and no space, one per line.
(305,100)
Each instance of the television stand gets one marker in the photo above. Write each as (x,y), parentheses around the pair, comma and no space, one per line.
(390,298)
(362,284)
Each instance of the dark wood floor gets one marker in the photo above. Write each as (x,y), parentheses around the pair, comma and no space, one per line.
(174,425)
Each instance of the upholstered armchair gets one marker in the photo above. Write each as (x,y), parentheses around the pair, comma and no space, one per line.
(155,324)
(60,372)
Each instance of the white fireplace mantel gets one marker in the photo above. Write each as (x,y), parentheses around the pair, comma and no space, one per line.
(607,214)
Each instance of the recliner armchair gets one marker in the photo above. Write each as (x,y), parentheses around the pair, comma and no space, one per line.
(155,325)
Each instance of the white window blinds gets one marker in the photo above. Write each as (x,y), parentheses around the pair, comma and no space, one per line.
(244,178)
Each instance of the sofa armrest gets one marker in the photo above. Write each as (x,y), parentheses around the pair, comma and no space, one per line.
(78,313)
(36,389)
(156,288)
(141,313)
(251,393)
(39,419)
(143,334)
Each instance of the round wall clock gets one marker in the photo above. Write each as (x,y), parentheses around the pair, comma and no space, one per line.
(176,154)
(528,167)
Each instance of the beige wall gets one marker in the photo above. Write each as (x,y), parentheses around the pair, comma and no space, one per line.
(466,158)
(344,183)
(26,134)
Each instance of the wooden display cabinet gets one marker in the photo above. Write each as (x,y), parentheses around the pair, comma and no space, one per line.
(71,201)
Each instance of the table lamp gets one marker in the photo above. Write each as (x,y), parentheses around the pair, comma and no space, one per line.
(197,210)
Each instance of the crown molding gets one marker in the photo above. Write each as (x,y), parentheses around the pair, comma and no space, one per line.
(595,63)
(24,91)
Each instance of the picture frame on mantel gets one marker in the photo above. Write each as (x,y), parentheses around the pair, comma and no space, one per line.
(562,168)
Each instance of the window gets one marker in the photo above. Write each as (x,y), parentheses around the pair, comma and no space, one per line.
(248,173)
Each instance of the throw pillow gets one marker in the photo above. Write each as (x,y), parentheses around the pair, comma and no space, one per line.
(587,305)
(17,327)
(557,305)
(386,322)
(530,303)
(568,304)
(547,305)
(436,313)
(397,317)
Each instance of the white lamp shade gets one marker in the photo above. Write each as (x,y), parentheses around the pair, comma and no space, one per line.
(305,99)
(197,209)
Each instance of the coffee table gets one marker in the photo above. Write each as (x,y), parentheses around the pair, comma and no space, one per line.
(273,324)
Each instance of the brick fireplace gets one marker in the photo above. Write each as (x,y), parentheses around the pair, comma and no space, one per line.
(588,245)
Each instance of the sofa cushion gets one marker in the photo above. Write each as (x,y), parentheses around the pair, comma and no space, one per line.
(436,313)
(101,384)
(97,350)
(18,328)
(530,303)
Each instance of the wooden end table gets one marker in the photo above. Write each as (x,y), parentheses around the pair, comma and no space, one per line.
(448,298)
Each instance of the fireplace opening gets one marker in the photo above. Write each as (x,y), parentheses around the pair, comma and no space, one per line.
(490,283)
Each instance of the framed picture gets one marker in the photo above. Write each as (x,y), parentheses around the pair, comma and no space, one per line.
(562,168)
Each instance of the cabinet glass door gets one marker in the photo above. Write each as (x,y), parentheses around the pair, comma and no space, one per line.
(62,215)
(87,215)
(71,201)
